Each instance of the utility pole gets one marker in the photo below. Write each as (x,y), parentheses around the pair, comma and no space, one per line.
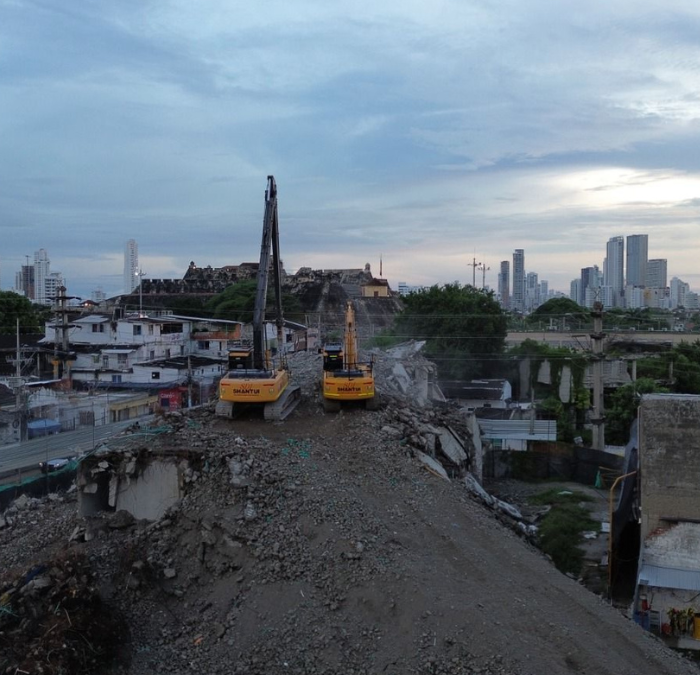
(483,269)
(598,416)
(474,265)
(189,382)
(61,325)
(140,274)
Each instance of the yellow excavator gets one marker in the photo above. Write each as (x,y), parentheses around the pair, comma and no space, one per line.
(345,378)
(253,378)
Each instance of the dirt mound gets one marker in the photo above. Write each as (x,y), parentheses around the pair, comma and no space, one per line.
(320,545)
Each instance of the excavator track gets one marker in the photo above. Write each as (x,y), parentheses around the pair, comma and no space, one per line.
(284,405)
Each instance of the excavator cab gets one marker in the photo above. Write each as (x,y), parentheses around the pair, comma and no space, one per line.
(332,358)
(240,359)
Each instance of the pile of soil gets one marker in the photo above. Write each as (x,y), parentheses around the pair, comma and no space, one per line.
(319,545)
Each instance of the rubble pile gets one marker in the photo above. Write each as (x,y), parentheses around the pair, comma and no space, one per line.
(404,374)
(352,543)
(53,620)
(22,537)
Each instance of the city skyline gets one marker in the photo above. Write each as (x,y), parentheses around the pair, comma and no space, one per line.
(535,287)
(426,132)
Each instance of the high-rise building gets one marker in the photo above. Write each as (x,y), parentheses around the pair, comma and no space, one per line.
(24,281)
(591,281)
(657,273)
(544,291)
(679,290)
(42,269)
(131,265)
(614,271)
(575,290)
(504,284)
(637,257)
(518,296)
(52,283)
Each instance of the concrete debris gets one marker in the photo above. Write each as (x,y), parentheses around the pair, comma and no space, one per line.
(431,464)
(317,546)
(121,519)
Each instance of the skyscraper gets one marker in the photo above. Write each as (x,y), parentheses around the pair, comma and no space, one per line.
(657,273)
(591,282)
(637,257)
(504,284)
(131,265)
(24,281)
(518,303)
(42,270)
(614,271)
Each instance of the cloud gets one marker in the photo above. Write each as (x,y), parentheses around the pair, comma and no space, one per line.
(426,131)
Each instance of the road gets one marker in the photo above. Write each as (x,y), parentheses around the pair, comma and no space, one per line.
(30,453)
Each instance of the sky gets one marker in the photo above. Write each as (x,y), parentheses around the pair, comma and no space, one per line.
(430,135)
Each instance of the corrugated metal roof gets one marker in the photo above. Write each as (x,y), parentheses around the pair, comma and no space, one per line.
(669,577)
(93,318)
(539,430)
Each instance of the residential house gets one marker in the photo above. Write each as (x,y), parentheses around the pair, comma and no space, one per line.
(137,351)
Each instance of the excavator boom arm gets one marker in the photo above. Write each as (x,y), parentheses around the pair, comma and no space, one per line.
(270,245)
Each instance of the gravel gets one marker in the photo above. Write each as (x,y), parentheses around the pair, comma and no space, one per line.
(322,545)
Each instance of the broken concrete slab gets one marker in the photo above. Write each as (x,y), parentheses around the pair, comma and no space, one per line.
(452,446)
(432,465)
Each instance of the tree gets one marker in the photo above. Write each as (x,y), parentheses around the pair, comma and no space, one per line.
(621,408)
(14,306)
(464,328)
(562,311)
(237,303)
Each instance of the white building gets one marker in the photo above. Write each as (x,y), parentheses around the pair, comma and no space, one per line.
(42,284)
(141,351)
(657,273)
(634,297)
(678,291)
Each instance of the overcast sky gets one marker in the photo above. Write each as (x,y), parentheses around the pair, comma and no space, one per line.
(428,133)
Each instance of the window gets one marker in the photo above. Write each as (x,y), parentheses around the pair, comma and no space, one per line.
(121,359)
(203,344)
(105,361)
(155,375)
(150,329)
(137,329)
(116,379)
(98,328)
(182,350)
(167,353)
(152,354)
(167,328)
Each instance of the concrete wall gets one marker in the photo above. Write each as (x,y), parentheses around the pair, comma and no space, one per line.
(151,494)
(669,440)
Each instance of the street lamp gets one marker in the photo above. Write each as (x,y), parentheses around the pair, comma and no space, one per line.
(140,274)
